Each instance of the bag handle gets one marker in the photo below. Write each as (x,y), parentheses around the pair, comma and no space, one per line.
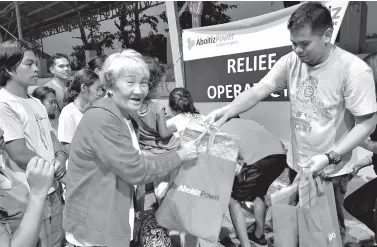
(316,185)
(317,182)
(211,140)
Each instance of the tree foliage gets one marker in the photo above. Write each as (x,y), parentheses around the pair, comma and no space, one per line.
(92,39)
(131,16)
(213,13)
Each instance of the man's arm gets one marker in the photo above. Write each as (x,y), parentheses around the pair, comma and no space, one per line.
(360,101)
(19,152)
(39,175)
(244,102)
(369,145)
(30,224)
(365,125)
(275,80)
(14,136)
(60,157)
(361,163)
(55,143)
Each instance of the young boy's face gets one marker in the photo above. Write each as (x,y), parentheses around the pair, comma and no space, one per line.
(61,68)
(26,74)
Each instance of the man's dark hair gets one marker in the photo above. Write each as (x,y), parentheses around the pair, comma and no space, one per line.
(52,59)
(313,15)
(11,54)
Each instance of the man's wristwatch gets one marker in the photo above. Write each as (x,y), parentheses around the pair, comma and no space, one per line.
(334,157)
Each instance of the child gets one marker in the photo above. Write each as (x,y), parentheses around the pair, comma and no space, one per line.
(182,106)
(155,136)
(48,98)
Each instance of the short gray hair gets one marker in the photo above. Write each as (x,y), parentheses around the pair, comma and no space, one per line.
(128,61)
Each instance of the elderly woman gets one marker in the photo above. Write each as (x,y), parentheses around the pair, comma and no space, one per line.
(105,161)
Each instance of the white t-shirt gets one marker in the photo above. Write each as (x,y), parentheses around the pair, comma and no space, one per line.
(324,100)
(180,121)
(69,119)
(28,119)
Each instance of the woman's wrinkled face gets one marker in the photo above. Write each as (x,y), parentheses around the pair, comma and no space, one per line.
(130,91)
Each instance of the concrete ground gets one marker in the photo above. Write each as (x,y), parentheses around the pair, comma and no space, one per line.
(358,234)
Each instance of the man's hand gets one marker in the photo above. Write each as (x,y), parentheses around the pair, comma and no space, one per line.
(59,164)
(213,116)
(217,118)
(364,162)
(39,175)
(314,166)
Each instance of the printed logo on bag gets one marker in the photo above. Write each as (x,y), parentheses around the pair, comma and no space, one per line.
(332,236)
(195,192)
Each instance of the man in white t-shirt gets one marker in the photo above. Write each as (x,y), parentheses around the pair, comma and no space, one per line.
(333,100)
(27,131)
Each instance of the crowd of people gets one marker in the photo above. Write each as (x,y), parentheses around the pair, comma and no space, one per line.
(76,154)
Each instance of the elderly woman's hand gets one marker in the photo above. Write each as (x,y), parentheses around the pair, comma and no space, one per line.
(189,150)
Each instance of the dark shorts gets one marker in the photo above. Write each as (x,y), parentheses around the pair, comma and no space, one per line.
(255,179)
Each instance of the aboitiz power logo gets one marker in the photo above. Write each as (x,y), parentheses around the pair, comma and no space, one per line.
(195,192)
(219,40)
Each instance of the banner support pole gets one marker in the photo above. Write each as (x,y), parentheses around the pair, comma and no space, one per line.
(176,42)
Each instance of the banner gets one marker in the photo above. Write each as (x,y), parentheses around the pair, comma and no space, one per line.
(224,60)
